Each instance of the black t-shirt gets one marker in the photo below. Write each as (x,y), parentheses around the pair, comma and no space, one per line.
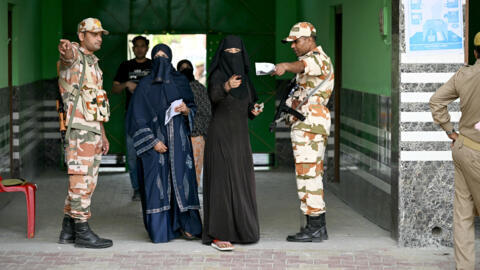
(131,70)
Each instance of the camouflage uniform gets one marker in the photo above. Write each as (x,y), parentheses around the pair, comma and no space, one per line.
(84,150)
(309,137)
(84,154)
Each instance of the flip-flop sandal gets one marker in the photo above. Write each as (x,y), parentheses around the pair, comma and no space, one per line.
(216,246)
(187,237)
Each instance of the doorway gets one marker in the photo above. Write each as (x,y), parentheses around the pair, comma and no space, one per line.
(185,46)
(336,90)
(10,83)
(472,27)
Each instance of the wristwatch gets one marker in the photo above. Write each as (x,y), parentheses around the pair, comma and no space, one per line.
(450,132)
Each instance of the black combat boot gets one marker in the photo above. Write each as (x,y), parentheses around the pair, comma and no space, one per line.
(86,238)
(311,232)
(323,228)
(67,235)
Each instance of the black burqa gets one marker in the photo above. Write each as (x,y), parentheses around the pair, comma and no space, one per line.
(230,207)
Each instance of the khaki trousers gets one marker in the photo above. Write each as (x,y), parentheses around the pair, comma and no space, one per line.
(466,203)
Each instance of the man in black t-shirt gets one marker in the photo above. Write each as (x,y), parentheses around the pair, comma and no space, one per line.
(128,75)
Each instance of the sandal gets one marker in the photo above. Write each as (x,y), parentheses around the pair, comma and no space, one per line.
(188,236)
(217,245)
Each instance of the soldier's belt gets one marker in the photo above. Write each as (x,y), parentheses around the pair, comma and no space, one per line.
(470,143)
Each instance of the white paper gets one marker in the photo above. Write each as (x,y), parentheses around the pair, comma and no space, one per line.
(170,112)
(264,68)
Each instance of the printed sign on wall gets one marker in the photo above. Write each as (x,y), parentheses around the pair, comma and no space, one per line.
(434,27)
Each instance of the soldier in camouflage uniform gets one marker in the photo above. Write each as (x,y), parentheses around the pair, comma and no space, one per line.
(309,137)
(86,139)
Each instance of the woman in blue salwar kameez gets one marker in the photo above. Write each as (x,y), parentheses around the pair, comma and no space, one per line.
(167,178)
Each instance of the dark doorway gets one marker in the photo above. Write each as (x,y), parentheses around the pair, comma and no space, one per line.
(467,32)
(472,26)
(10,82)
(337,89)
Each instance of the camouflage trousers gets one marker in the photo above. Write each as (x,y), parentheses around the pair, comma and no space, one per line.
(308,151)
(83,156)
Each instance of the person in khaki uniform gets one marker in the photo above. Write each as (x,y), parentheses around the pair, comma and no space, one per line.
(81,87)
(465,84)
(309,137)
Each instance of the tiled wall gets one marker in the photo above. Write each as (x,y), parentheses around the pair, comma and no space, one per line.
(28,140)
(35,129)
(365,155)
(4,132)
(50,126)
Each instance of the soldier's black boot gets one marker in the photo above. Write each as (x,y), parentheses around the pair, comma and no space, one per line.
(67,235)
(323,228)
(311,232)
(86,238)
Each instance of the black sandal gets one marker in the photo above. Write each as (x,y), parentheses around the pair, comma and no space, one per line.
(188,236)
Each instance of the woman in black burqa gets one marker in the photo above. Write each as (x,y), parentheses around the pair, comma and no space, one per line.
(230,208)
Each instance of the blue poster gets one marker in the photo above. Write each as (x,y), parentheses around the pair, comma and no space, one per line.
(434,25)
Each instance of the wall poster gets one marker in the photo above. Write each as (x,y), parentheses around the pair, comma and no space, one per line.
(434,28)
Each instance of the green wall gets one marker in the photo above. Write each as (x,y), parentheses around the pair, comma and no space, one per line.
(3,44)
(285,18)
(367,64)
(36,28)
(51,34)
(26,43)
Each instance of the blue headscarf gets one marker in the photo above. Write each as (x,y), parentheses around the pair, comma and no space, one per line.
(157,91)
(162,67)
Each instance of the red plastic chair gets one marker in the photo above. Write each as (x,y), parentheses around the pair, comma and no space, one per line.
(29,189)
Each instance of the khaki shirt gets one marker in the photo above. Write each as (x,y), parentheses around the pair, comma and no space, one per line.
(317,116)
(69,78)
(465,84)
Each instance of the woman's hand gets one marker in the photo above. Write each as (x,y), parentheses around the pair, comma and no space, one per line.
(160,147)
(233,82)
(257,109)
(182,108)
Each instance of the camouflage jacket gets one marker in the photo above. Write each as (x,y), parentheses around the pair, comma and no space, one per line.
(317,68)
(69,78)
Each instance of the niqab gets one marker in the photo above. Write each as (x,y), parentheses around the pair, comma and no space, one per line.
(188,71)
(230,64)
(161,66)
